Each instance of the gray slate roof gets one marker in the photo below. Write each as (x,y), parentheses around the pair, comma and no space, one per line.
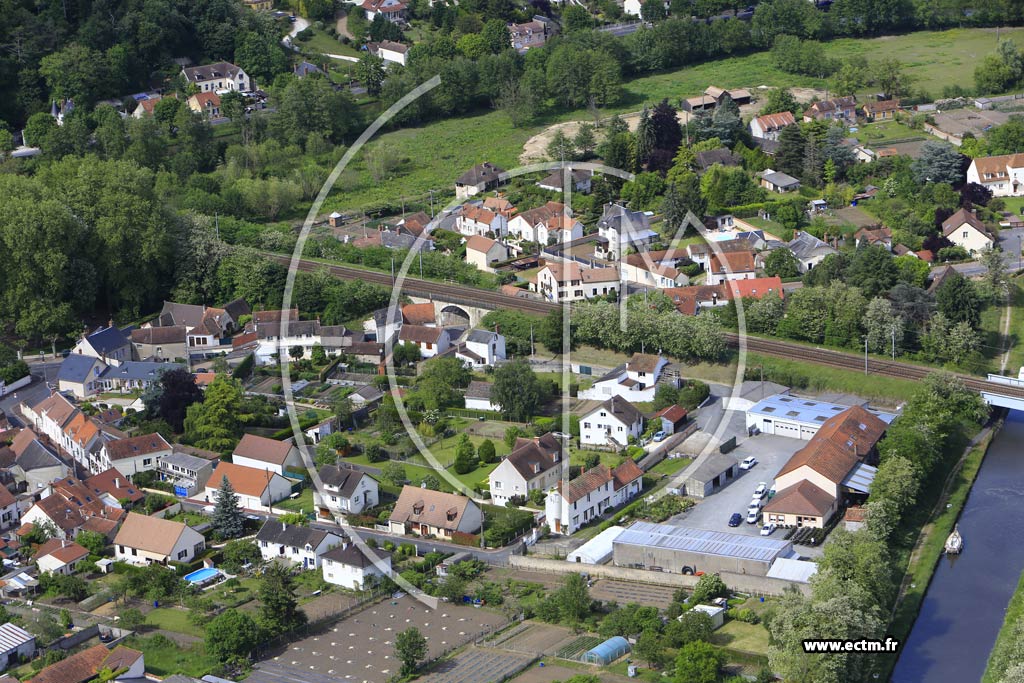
(287,534)
(780,179)
(352,556)
(139,370)
(623,219)
(480,336)
(806,245)
(75,368)
(342,478)
(37,456)
(107,339)
(189,315)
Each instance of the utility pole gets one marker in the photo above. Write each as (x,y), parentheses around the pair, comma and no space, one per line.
(894,341)
(865,355)
(421,263)
(431,203)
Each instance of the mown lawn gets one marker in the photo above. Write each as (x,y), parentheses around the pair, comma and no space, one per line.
(321,43)
(173,619)
(738,635)
(876,134)
(304,503)
(834,379)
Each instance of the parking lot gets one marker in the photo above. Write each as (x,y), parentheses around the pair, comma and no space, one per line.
(712,513)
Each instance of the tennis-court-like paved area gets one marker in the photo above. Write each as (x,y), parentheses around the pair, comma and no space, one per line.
(360,649)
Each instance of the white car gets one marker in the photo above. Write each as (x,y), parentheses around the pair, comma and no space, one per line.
(761,489)
(748,463)
(753,514)
(768,529)
(755,505)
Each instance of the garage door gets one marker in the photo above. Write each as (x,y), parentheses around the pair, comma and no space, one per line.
(787,429)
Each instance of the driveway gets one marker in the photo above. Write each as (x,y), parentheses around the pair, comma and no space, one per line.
(712,513)
(713,413)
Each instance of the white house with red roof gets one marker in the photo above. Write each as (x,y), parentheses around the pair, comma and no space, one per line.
(569,281)
(430,340)
(392,10)
(769,126)
(588,496)
(476,220)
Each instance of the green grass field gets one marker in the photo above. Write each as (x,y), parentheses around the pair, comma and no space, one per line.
(884,132)
(164,657)
(1015,204)
(737,635)
(173,619)
(321,43)
(932,58)
(304,503)
(1003,654)
(835,379)
(436,153)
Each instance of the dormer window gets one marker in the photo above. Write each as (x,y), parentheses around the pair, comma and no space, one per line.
(417,509)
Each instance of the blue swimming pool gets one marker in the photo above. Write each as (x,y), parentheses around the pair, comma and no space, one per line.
(202,575)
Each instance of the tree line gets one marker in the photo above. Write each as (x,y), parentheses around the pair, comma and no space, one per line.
(854,589)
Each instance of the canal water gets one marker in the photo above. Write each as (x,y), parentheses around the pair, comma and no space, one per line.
(964,607)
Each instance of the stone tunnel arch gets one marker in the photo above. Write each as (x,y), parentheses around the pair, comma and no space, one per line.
(452,315)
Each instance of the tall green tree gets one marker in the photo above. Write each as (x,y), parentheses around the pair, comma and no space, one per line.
(228,521)
(516,390)
(232,636)
(279,610)
(410,648)
(214,424)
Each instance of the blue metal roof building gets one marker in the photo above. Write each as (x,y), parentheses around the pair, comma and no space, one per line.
(607,652)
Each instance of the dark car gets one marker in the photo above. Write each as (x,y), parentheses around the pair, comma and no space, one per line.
(736,519)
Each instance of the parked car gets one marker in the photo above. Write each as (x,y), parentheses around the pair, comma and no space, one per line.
(748,463)
(561,435)
(768,529)
(754,505)
(753,515)
(660,435)
(736,519)
(761,489)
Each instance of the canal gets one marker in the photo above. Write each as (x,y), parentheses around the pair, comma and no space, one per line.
(964,606)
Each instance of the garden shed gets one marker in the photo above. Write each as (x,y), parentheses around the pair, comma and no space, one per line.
(607,652)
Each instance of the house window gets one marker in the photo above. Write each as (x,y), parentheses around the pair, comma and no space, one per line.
(263,544)
(497,485)
(183,554)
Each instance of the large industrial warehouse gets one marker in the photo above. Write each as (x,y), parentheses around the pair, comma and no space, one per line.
(678,549)
(795,417)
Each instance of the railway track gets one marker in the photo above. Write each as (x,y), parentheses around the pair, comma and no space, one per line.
(482,298)
(849,361)
(458,294)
